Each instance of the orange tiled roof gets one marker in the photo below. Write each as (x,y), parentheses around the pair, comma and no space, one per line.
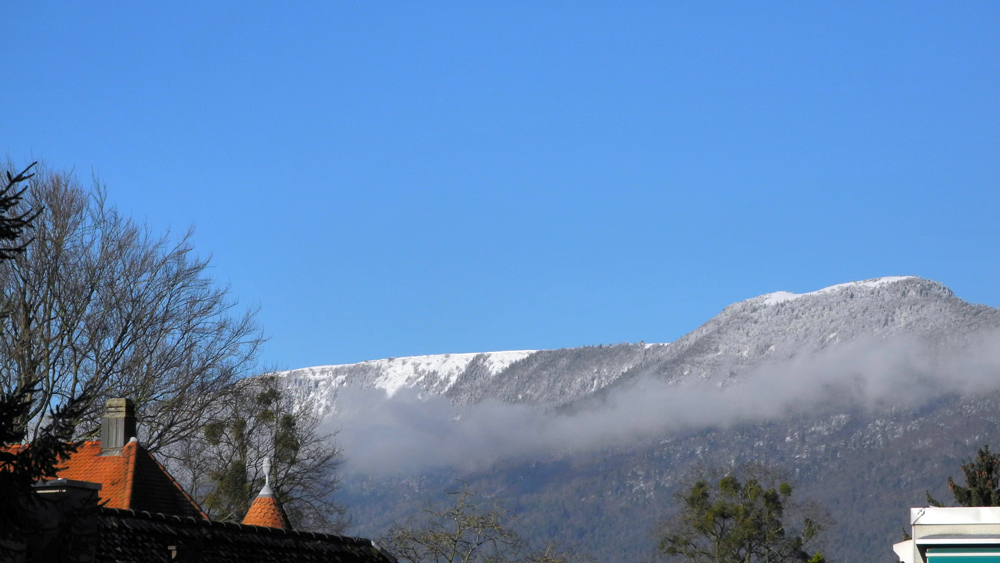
(267,511)
(132,480)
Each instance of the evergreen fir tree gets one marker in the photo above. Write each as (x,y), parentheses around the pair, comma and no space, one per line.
(734,521)
(982,481)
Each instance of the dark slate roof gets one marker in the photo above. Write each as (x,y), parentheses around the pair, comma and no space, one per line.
(127,536)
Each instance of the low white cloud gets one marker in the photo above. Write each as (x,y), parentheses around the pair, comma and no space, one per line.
(405,433)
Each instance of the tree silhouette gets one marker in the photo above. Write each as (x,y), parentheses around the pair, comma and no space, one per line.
(24,459)
(982,482)
(13,226)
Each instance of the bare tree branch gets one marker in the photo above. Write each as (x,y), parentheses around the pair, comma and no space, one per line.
(222,467)
(98,301)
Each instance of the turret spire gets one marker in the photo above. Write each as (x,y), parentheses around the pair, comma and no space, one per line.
(266,509)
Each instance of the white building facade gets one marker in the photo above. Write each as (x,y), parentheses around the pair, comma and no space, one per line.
(952,535)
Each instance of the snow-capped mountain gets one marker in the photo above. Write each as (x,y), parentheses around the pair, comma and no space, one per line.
(771,327)
(866,462)
(779,326)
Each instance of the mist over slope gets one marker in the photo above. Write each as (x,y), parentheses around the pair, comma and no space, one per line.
(867,392)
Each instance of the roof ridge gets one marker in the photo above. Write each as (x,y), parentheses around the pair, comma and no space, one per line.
(129,453)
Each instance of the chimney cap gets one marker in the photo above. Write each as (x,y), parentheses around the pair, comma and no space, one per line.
(120,405)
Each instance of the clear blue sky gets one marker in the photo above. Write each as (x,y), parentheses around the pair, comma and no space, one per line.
(402,178)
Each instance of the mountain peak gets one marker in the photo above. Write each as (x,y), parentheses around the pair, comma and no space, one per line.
(772,327)
(785,296)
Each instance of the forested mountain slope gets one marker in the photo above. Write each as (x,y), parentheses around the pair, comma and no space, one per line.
(867,393)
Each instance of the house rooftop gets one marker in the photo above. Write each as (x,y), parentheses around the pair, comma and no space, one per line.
(132,479)
(128,535)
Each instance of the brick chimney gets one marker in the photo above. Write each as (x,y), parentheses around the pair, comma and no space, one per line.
(117,426)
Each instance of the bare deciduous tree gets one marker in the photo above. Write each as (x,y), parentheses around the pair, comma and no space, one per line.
(223,467)
(466,532)
(25,461)
(97,301)
(99,307)
(461,533)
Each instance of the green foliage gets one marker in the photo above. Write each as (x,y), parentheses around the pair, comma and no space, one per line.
(982,481)
(287,442)
(734,521)
(240,439)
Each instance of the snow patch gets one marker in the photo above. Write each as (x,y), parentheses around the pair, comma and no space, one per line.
(779,297)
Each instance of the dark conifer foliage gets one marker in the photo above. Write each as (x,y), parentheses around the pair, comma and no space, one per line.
(734,521)
(982,480)
(13,224)
(37,460)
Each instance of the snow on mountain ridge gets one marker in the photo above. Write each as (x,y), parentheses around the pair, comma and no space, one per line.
(391,374)
(399,372)
(785,296)
(726,348)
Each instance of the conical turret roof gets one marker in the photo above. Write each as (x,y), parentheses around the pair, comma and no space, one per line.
(267,511)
